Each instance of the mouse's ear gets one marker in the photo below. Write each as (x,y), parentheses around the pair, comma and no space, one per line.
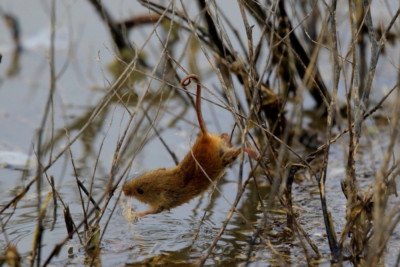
(229,156)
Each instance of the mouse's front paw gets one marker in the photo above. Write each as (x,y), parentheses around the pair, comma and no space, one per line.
(142,214)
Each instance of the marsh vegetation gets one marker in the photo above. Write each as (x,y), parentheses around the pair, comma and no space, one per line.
(90,98)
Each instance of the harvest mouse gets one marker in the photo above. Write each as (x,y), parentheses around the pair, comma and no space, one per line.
(164,189)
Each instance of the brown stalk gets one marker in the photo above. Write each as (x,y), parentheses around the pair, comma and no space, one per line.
(321,177)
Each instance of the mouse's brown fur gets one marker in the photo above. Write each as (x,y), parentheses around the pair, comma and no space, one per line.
(164,189)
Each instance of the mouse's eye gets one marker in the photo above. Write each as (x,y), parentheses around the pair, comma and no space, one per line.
(139,190)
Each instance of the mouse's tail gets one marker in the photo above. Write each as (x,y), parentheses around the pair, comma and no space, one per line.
(185,82)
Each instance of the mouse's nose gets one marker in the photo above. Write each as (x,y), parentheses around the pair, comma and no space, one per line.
(127,190)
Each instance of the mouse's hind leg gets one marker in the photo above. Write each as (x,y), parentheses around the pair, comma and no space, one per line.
(229,156)
(225,137)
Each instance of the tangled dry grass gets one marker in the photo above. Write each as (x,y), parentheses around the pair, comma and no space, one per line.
(267,66)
